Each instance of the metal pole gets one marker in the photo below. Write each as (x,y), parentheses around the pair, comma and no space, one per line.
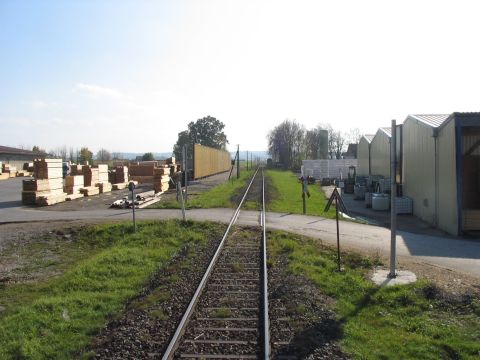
(133,210)
(185,169)
(238,161)
(179,189)
(338,234)
(393,195)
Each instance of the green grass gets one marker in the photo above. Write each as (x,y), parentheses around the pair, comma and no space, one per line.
(287,195)
(220,196)
(398,322)
(56,318)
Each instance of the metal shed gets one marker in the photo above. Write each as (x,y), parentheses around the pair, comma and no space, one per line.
(364,155)
(17,157)
(441,169)
(380,153)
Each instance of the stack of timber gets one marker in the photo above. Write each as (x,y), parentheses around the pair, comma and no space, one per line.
(121,174)
(10,170)
(103,184)
(90,190)
(27,170)
(47,187)
(120,177)
(76,170)
(90,175)
(2,175)
(28,166)
(161,179)
(73,184)
(142,173)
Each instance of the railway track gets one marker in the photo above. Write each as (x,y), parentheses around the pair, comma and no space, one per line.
(227,318)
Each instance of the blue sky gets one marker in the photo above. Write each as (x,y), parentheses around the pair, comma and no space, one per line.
(129,75)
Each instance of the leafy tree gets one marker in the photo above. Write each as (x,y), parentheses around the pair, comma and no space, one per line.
(184,139)
(148,157)
(36,148)
(103,155)
(85,155)
(206,131)
(286,143)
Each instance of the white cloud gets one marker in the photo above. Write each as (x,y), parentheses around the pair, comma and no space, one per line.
(39,104)
(96,91)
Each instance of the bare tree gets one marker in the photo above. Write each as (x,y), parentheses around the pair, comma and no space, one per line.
(338,144)
(353,136)
(116,156)
(103,155)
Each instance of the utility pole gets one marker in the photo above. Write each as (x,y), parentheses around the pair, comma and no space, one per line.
(393,195)
(185,169)
(238,161)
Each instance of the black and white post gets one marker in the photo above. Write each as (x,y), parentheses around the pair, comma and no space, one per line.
(393,195)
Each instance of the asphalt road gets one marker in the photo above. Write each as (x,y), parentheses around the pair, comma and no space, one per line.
(444,251)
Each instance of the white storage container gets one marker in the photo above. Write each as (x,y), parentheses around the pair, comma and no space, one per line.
(380,202)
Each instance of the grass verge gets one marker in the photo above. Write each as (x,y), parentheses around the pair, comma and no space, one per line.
(413,321)
(221,196)
(56,318)
(287,195)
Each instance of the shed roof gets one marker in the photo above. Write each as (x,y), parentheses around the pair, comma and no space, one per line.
(10,150)
(387,131)
(433,120)
(369,138)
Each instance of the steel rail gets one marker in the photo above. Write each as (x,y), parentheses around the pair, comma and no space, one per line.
(169,352)
(266,322)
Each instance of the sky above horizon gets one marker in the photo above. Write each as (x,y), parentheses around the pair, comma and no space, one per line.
(130,75)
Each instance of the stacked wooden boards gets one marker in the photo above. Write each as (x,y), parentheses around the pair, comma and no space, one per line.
(95,180)
(103,184)
(121,177)
(73,184)
(9,170)
(163,174)
(47,187)
(143,173)
(161,179)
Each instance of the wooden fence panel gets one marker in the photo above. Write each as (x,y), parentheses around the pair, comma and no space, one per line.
(209,161)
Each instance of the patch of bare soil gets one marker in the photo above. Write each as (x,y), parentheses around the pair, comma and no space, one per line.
(303,326)
(37,250)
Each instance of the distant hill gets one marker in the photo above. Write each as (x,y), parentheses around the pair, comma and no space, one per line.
(263,155)
(157,156)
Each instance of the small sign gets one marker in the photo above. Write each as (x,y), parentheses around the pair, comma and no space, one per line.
(341,205)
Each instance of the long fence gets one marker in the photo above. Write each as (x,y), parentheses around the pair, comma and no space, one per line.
(208,161)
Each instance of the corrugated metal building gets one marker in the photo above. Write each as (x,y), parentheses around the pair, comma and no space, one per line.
(380,153)
(441,169)
(17,157)
(363,152)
